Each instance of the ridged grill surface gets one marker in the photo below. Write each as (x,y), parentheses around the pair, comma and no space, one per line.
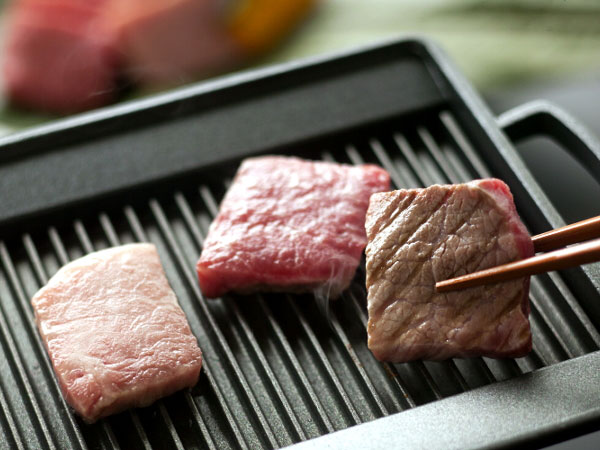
(278,369)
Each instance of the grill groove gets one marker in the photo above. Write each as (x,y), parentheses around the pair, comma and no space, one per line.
(42,428)
(297,367)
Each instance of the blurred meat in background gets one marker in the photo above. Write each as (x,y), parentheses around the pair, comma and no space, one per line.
(59,55)
(65,56)
(508,49)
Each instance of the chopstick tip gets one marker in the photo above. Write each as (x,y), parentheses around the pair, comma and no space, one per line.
(443,286)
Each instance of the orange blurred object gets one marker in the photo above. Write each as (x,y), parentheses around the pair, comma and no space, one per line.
(258,25)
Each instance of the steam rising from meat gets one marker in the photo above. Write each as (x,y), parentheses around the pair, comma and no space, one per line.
(323,297)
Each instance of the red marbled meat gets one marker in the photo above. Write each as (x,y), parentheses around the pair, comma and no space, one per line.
(114,331)
(421,236)
(287,224)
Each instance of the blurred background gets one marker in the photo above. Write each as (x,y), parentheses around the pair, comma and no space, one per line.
(499,44)
(511,50)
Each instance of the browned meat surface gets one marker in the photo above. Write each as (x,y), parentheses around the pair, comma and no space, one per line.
(421,236)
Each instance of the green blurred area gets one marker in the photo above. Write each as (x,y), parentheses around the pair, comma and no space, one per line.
(494,42)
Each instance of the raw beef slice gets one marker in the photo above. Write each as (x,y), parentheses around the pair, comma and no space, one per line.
(421,236)
(114,331)
(288,224)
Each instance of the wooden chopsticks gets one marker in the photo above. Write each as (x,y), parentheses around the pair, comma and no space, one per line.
(583,253)
(567,235)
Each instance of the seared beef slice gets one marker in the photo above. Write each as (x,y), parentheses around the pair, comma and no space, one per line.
(291,225)
(114,331)
(421,236)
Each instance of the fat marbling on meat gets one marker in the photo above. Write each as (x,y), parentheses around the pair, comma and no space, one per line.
(421,236)
(288,224)
(114,331)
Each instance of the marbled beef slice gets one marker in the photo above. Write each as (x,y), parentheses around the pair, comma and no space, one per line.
(421,236)
(114,331)
(291,225)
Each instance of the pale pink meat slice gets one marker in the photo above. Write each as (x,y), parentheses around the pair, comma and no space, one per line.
(420,236)
(114,331)
(288,224)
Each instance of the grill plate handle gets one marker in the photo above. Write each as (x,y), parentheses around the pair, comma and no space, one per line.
(540,117)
